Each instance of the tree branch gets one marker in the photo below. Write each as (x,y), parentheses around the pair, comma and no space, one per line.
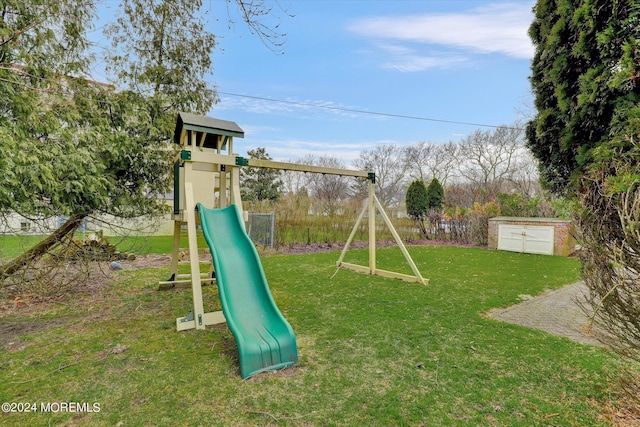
(41,248)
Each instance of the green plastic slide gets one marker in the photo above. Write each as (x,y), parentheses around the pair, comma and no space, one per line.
(265,339)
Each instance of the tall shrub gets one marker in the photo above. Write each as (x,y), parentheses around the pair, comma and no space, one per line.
(417,201)
(435,195)
(586,82)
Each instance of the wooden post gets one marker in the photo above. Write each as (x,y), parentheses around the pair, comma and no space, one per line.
(176,248)
(365,207)
(234,189)
(398,240)
(194,259)
(222,191)
(371,205)
(372,229)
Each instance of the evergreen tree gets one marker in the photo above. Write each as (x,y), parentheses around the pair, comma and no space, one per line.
(79,148)
(417,202)
(586,82)
(435,195)
(260,183)
(74,147)
(162,49)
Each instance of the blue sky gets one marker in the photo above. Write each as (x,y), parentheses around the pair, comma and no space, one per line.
(454,60)
(450,60)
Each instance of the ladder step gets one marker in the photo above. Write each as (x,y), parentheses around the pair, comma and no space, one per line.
(175,282)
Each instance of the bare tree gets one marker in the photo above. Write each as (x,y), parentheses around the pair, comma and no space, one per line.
(390,168)
(460,195)
(525,178)
(262,20)
(488,158)
(330,190)
(295,183)
(445,162)
(418,157)
(426,160)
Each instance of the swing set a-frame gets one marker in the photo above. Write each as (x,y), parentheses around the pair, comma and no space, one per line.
(206,176)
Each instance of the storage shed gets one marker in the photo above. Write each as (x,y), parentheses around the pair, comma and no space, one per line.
(548,236)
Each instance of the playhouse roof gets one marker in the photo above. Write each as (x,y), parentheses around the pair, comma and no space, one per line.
(209,125)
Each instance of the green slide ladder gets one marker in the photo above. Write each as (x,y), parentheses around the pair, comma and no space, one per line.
(264,337)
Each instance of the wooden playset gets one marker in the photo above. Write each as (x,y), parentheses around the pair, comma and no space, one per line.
(207,194)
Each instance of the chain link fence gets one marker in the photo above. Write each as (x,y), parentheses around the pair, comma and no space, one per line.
(261,228)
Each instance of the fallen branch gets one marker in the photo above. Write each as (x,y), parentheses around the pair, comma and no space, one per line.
(47,374)
(41,248)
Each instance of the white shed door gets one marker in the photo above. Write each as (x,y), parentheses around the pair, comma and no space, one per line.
(511,237)
(532,239)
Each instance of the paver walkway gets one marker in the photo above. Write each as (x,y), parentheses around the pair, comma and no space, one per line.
(556,312)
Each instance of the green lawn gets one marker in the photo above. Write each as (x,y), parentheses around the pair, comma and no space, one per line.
(373,351)
(12,246)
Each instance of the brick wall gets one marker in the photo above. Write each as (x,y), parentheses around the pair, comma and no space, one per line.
(564,241)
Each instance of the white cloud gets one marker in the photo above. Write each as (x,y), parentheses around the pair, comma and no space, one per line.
(293,149)
(495,28)
(404,58)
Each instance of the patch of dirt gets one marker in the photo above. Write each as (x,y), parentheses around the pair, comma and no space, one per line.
(68,280)
(149,261)
(624,413)
(289,371)
(12,330)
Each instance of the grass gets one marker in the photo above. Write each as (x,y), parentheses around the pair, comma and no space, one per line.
(13,245)
(144,245)
(373,351)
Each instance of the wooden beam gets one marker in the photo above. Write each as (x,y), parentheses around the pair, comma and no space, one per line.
(384,273)
(353,234)
(270,164)
(398,240)
(230,160)
(222,192)
(405,277)
(372,205)
(372,228)
(188,276)
(176,248)
(355,267)
(185,281)
(212,318)
(196,285)
(201,159)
